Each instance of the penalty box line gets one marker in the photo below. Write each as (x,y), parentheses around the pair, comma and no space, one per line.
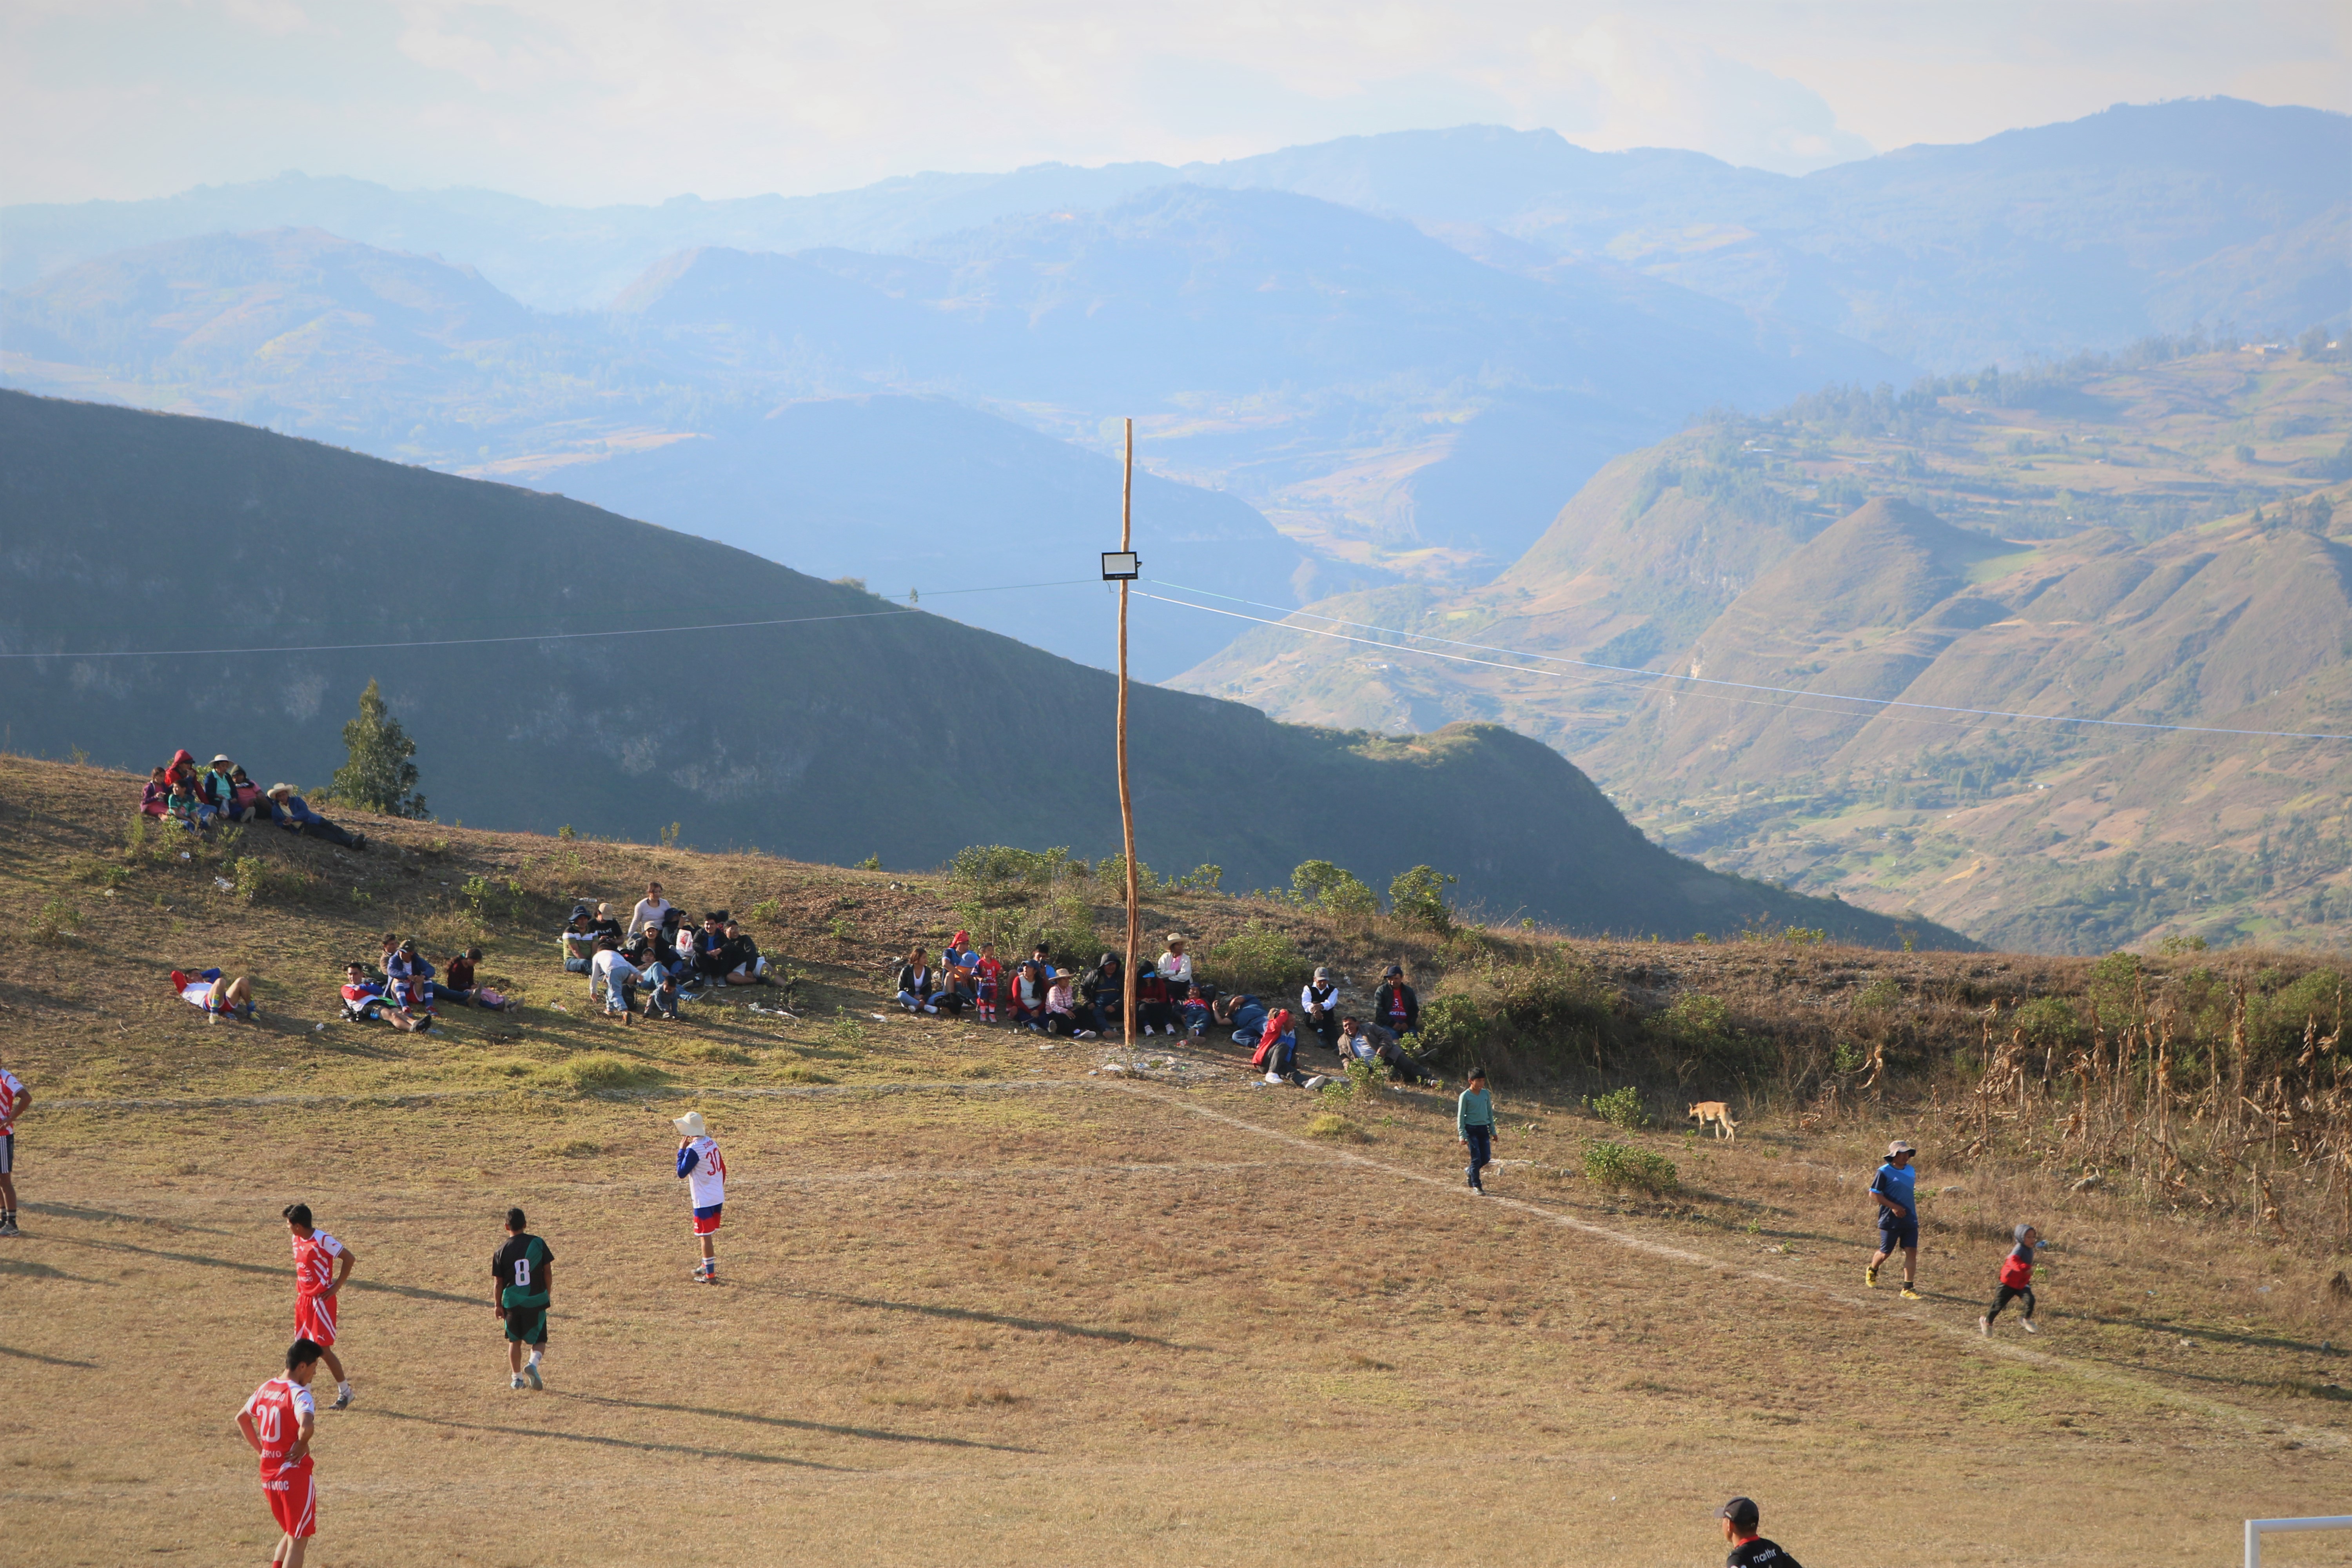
(2041,1360)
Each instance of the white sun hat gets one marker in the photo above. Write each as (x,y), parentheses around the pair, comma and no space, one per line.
(691,1124)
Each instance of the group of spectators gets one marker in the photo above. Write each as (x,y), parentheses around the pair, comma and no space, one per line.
(1172,997)
(407,989)
(196,797)
(657,953)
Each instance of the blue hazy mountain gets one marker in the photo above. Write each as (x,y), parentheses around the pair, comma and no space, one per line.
(2138,219)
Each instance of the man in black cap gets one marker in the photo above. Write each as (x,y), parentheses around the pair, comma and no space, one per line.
(1750,1550)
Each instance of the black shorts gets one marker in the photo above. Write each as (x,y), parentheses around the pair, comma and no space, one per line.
(527,1326)
(7,1153)
(1896,1231)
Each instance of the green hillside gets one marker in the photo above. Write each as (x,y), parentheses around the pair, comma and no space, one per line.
(2154,539)
(855,729)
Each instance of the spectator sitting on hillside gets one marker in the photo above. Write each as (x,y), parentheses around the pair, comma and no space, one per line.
(1029,995)
(293,813)
(577,940)
(408,979)
(651,911)
(187,808)
(244,798)
(1197,1016)
(1319,1005)
(662,992)
(1357,1045)
(1277,1047)
(1396,1006)
(1175,965)
(1153,1010)
(182,770)
(457,984)
(218,997)
(1106,993)
(220,790)
(961,967)
(619,977)
(1042,958)
(918,984)
(1061,1010)
(744,964)
(707,950)
(363,1001)
(155,800)
(604,924)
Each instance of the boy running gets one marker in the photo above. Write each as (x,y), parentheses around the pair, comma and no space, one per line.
(322,1264)
(523,1268)
(278,1421)
(704,1172)
(1898,1217)
(14,1098)
(2016,1281)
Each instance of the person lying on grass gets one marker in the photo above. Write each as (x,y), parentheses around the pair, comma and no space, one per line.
(1358,1045)
(217,997)
(363,999)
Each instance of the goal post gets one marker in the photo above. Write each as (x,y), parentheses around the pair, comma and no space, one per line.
(2258,1528)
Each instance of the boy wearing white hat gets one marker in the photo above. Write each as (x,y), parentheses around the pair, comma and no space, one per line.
(704,1172)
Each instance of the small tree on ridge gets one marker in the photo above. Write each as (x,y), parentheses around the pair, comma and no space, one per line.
(379,776)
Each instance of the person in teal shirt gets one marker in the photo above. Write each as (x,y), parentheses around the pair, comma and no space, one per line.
(1894,1190)
(1474,1124)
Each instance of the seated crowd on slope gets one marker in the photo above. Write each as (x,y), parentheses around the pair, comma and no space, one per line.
(1172,997)
(658,956)
(180,791)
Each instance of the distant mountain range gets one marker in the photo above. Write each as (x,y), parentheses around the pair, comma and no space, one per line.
(2154,542)
(841,728)
(2085,233)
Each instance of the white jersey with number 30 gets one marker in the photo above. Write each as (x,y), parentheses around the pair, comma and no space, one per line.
(707,1180)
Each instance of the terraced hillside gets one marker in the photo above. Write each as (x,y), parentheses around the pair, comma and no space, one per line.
(2155,543)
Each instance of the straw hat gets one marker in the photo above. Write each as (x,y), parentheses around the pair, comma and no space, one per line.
(691,1124)
(1175,938)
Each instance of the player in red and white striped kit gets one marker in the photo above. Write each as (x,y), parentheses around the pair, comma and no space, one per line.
(278,1421)
(322,1264)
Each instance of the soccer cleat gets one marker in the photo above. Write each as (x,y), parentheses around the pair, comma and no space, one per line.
(1908,1293)
(1984,1327)
(2028,1324)
(1870,1278)
(531,1371)
(515,1382)
(343,1398)
(8,1228)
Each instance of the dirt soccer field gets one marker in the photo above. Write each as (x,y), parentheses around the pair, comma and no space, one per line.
(1076,1322)
(984,1303)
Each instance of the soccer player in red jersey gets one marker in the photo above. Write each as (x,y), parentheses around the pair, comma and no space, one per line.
(322,1264)
(13,1096)
(278,1421)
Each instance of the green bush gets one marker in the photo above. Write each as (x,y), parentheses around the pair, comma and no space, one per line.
(259,882)
(1338,893)
(1454,1024)
(2049,1022)
(1882,993)
(1621,1107)
(1694,1016)
(1620,1167)
(1417,898)
(1258,958)
(55,918)
(1110,872)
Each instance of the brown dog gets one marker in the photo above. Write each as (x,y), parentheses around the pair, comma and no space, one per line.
(1715,1111)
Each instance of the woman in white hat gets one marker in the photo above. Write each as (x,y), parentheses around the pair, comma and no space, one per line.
(700,1167)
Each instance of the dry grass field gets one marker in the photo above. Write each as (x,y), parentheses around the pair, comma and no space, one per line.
(985,1303)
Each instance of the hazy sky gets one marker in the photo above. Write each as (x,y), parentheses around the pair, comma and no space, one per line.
(592,101)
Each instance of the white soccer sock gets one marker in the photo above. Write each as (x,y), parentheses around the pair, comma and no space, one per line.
(344,1387)
(534,1358)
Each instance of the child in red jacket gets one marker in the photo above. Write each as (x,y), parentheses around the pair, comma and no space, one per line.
(2016,1280)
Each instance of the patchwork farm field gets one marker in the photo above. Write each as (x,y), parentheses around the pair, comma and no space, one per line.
(984,1303)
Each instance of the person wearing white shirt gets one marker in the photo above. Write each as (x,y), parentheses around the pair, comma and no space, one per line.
(1319,1005)
(651,911)
(620,977)
(1176,965)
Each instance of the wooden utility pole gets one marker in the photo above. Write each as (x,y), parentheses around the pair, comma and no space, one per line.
(1126,803)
